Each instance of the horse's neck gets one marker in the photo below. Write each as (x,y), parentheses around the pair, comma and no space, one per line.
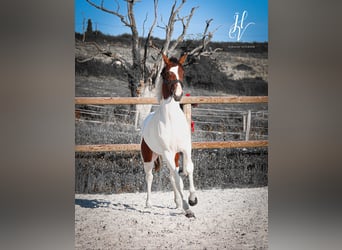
(169,107)
(172,121)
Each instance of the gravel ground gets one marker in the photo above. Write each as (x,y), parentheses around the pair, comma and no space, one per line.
(225,218)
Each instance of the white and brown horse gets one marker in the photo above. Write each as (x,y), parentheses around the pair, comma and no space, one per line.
(166,132)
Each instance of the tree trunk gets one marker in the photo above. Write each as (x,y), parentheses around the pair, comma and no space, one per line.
(136,67)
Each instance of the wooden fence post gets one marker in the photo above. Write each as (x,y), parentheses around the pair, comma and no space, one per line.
(244,121)
(248,124)
(187,112)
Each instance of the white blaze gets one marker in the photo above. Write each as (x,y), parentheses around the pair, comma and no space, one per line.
(179,90)
(174,70)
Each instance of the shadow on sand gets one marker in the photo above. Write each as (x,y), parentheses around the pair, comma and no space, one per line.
(85,203)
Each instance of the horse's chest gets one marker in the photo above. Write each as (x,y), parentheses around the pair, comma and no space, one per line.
(167,132)
(175,131)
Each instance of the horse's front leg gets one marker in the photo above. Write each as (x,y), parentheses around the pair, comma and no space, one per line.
(169,157)
(188,169)
(177,197)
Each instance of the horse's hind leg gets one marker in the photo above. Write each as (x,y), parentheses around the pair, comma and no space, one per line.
(148,166)
(177,197)
(148,157)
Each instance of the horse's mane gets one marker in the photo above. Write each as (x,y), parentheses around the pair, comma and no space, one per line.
(159,84)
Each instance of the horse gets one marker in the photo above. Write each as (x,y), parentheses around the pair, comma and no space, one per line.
(166,133)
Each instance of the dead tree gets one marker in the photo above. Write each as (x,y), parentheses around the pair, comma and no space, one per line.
(144,76)
(129,21)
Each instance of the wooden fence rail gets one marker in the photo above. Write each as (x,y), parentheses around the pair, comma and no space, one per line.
(187,101)
(195,145)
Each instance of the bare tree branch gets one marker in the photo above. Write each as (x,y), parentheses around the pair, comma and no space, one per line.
(149,39)
(117,3)
(144,22)
(101,51)
(170,26)
(206,38)
(86,59)
(153,46)
(116,13)
(185,28)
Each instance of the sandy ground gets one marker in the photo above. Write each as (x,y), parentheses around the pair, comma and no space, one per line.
(225,219)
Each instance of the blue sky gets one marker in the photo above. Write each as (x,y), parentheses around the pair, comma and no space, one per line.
(224,13)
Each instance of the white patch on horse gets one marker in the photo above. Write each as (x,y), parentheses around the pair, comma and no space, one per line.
(178,90)
(174,70)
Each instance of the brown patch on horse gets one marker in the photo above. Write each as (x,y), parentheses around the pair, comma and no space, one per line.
(177,159)
(147,154)
(157,164)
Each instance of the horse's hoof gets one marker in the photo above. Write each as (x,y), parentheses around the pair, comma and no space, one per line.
(190,214)
(193,203)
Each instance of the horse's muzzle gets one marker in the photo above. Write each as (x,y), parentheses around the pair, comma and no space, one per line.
(177,93)
(177,98)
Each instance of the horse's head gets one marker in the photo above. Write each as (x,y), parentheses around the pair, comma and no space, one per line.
(173,75)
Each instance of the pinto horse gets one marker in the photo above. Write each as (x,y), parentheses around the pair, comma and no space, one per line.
(166,133)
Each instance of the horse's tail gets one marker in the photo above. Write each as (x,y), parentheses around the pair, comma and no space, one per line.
(157,163)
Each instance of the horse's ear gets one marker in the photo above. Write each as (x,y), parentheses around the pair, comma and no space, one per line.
(182,59)
(166,59)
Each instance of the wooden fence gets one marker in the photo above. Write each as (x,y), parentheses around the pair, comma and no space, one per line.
(187,101)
